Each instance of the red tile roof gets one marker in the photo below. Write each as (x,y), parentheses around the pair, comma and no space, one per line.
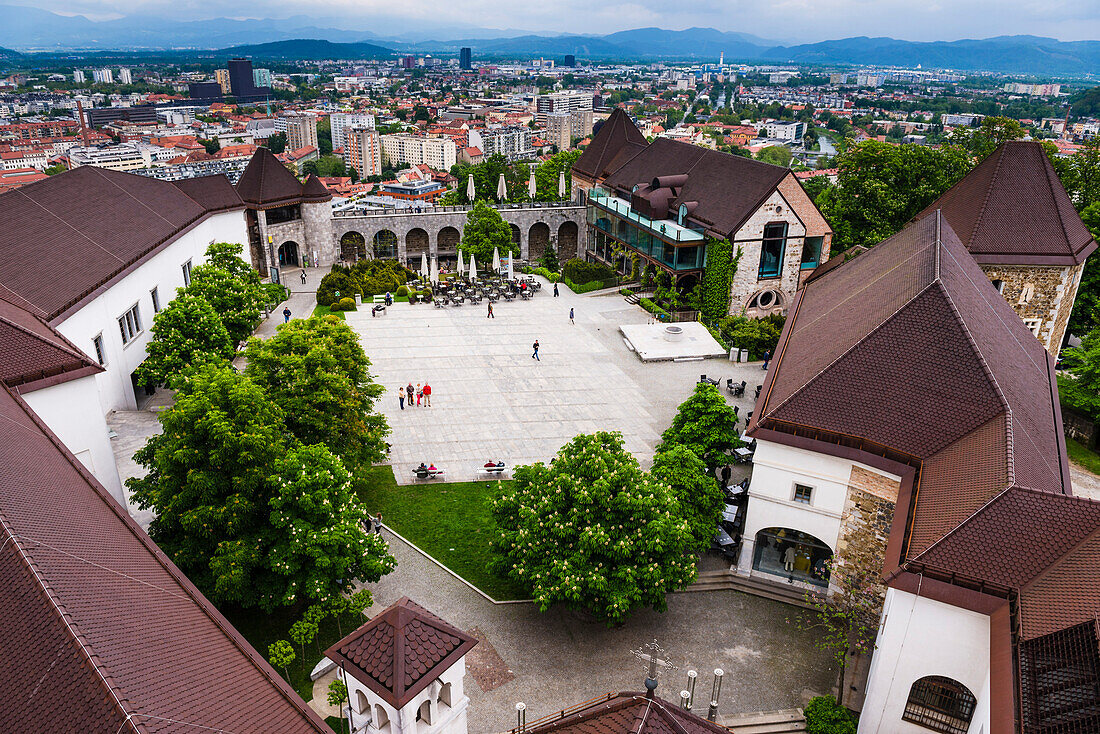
(102,632)
(618,133)
(626,713)
(399,652)
(31,352)
(92,225)
(267,183)
(1013,209)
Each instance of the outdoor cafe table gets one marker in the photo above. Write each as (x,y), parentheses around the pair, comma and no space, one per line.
(723,538)
(730,513)
(742,453)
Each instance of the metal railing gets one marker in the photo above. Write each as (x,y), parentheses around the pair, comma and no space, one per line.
(455,209)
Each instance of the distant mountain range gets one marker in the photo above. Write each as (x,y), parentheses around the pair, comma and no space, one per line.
(32,30)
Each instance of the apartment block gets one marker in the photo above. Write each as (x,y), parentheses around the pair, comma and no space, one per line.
(437,153)
(363,151)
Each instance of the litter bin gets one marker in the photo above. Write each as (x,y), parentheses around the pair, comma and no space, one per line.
(743,355)
(358,299)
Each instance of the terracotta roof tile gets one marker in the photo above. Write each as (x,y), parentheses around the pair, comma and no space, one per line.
(626,713)
(1012,208)
(314,190)
(401,651)
(267,182)
(617,134)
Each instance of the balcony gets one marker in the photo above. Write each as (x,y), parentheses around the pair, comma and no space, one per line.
(667,243)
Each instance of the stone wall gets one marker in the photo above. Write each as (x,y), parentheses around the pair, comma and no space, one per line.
(865,523)
(320,245)
(1042,294)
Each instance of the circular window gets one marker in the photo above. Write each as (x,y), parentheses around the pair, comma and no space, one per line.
(766,299)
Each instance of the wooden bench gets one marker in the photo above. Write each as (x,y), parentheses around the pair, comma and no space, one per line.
(490,472)
(424,475)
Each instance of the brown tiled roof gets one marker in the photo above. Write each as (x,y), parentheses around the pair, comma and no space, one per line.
(627,713)
(314,190)
(727,188)
(1013,209)
(909,350)
(618,134)
(267,182)
(67,236)
(100,625)
(399,652)
(31,351)
(213,193)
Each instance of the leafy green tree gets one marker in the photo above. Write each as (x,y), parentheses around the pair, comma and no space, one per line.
(701,499)
(777,155)
(1083,390)
(706,425)
(317,373)
(303,632)
(547,174)
(1086,308)
(485,230)
(187,332)
(593,531)
(882,187)
(549,260)
(276,143)
(984,139)
(756,335)
(337,693)
(237,301)
(212,146)
(281,654)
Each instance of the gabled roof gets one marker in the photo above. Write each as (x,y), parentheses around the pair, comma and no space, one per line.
(102,632)
(728,188)
(67,236)
(617,134)
(267,182)
(399,652)
(909,351)
(1013,209)
(32,353)
(627,713)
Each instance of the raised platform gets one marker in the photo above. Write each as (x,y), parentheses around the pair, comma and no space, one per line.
(662,343)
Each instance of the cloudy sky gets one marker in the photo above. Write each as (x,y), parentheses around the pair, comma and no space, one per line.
(787,20)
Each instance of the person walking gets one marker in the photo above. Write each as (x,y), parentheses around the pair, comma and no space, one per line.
(286,314)
(409,394)
(303,276)
(490,316)
(535,346)
(571,317)
(767,358)
(555,290)
(427,394)
(419,394)
(378,523)
(401,397)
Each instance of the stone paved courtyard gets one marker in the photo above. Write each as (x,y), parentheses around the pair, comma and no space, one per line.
(491,400)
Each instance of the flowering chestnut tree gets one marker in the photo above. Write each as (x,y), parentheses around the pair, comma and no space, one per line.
(593,531)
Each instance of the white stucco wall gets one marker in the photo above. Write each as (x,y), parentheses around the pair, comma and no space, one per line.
(72,411)
(445,719)
(919,637)
(163,271)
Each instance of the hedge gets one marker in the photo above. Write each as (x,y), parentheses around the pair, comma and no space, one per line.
(552,277)
(594,285)
(582,272)
(654,309)
(825,716)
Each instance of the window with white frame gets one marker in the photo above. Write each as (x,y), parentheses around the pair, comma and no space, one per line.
(803,494)
(187,273)
(100,351)
(1034,325)
(129,324)
(155,295)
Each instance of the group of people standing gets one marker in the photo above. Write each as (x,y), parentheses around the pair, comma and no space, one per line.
(422,392)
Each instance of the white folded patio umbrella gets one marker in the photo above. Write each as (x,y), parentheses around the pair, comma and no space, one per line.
(502,189)
(461,266)
(496,261)
(435,269)
(473,266)
(424,264)
(511,257)
(561,185)
(531,185)
(470,190)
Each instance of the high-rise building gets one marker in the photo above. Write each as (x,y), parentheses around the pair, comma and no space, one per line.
(221,76)
(582,121)
(408,62)
(342,123)
(78,76)
(570,60)
(559,129)
(363,151)
(465,58)
(514,143)
(261,78)
(240,78)
(569,101)
(103,76)
(301,130)
(437,153)
(124,76)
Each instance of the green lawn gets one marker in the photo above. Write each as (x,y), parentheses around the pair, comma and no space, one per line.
(1087,458)
(324,311)
(450,522)
(263,629)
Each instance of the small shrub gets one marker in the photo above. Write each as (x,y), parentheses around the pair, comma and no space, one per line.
(274,292)
(402,290)
(344,304)
(426,294)
(825,716)
(581,272)
(552,277)
(626,291)
(654,309)
(333,283)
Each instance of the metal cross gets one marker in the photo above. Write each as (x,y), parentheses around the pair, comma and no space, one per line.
(655,657)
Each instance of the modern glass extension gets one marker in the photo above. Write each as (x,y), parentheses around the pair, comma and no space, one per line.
(667,242)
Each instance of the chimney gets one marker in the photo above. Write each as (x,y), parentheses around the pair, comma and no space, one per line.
(715,692)
(521,717)
(83,126)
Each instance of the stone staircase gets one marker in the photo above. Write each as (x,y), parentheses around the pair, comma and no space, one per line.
(729,581)
(633,299)
(788,721)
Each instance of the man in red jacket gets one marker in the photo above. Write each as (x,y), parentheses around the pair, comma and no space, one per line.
(428,393)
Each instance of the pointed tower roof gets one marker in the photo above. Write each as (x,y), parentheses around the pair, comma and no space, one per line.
(314,190)
(268,183)
(401,651)
(1012,210)
(616,142)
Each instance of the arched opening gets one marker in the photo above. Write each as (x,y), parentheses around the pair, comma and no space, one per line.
(793,555)
(445,695)
(381,718)
(940,704)
(385,245)
(416,244)
(288,254)
(687,283)
(353,246)
(766,302)
(567,240)
(361,704)
(515,235)
(424,715)
(538,238)
(448,240)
